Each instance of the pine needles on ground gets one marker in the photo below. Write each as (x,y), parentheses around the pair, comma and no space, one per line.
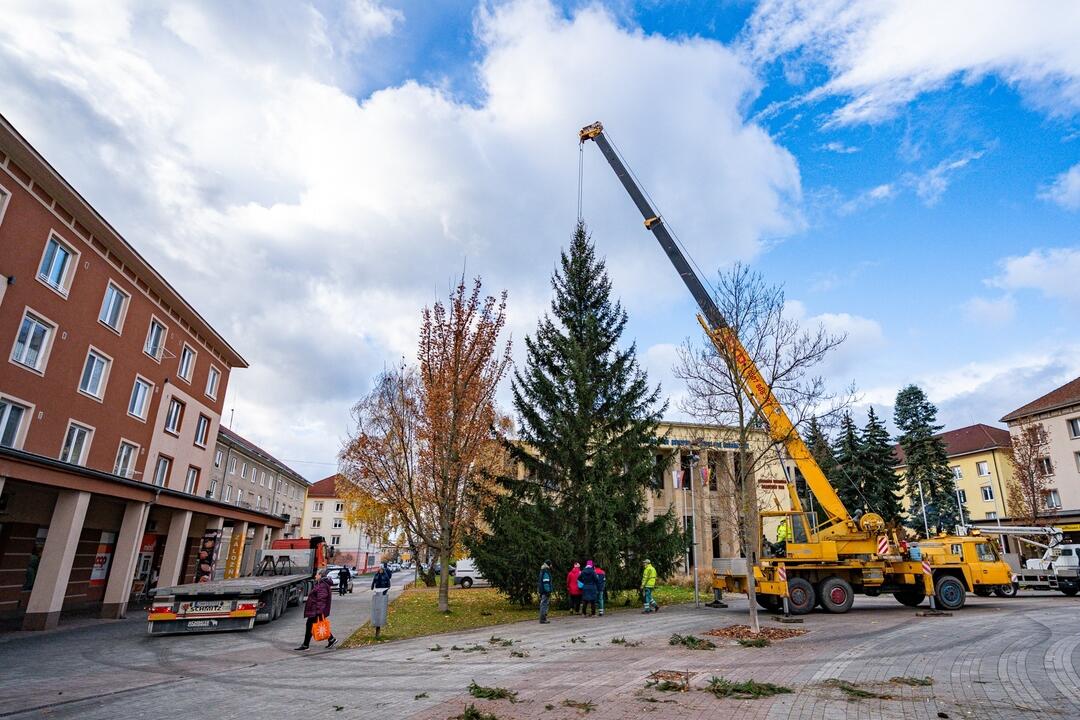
(491,693)
(913,681)
(694,643)
(582,706)
(747,690)
(624,642)
(755,642)
(854,691)
(471,713)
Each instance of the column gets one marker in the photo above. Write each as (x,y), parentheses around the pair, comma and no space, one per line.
(54,569)
(248,564)
(125,557)
(175,546)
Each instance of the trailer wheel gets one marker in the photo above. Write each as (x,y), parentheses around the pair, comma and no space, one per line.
(1070,590)
(983,590)
(950,593)
(911,598)
(1006,591)
(836,595)
(801,597)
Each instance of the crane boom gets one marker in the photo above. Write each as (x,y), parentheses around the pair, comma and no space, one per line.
(781,429)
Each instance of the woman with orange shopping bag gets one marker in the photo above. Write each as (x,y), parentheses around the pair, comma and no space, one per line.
(317,611)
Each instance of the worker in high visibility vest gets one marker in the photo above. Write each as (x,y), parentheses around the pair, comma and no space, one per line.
(783,534)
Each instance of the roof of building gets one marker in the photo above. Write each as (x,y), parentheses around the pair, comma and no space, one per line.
(92,226)
(325,487)
(251,448)
(967,440)
(1067,394)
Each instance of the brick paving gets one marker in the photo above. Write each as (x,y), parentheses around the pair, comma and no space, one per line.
(997,658)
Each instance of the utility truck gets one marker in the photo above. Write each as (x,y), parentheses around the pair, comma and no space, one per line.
(1057,569)
(824,562)
(284,575)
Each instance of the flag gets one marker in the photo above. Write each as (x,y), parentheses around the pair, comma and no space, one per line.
(675,479)
(704,477)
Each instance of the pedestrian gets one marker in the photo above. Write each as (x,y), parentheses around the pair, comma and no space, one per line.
(381,579)
(343,581)
(544,586)
(573,588)
(589,585)
(317,607)
(601,588)
(648,582)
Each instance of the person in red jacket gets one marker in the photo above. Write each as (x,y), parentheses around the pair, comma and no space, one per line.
(573,589)
(317,607)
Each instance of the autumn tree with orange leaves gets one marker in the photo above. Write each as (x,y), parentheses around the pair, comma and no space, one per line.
(425,443)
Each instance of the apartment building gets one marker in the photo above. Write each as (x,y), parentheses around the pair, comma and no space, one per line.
(248,476)
(324,514)
(110,401)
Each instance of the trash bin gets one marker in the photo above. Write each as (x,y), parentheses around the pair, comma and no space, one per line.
(379,602)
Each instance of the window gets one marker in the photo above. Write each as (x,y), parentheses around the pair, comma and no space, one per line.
(155,340)
(212,489)
(4,197)
(202,430)
(228,493)
(57,263)
(316,522)
(11,415)
(1053,499)
(957,473)
(317,506)
(217,459)
(1076,457)
(991,515)
(982,468)
(162,470)
(112,307)
(192,480)
(337,523)
(95,373)
(1074,428)
(239,496)
(243,470)
(212,379)
(1045,466)
(76,443)
(174,416)
(125,459)
(262,479)
(32,342)
(987,493)
(335,539)
(962,496)
(140,398)
(232,466)
(339,507)
(187,363)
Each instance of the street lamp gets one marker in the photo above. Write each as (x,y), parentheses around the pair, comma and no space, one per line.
(693,521)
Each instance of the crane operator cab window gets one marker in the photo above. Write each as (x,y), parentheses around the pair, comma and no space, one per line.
(986,552)
(789,527)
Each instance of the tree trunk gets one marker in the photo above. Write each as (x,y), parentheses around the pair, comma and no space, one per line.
(444,579)
(751,523)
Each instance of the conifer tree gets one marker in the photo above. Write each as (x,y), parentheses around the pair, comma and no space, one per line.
(881,484)
(927,462)
(848,477)
(817,442)
(587,440)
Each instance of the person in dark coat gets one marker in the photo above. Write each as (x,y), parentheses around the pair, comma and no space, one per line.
(572,588)
(601,587)
(317,607)
(590,584)
(343,580)
(544,588)
(381,579)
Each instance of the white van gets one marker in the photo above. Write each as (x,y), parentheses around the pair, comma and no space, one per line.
(466,573)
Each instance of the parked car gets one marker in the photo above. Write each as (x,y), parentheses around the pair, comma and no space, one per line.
(467,574)
(333,573)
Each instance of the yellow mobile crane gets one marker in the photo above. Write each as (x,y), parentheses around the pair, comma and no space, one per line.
(822,563)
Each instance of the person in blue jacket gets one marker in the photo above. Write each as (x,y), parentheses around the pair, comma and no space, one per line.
(381,579)
(590,585)
(544,588)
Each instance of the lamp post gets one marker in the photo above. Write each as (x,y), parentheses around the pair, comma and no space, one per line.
(693,522)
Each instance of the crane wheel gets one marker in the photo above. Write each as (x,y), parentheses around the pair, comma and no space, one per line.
(801,596)
(911,598)
(1006,591)
(768,602)
(835,595)
(950,593)
(983,590)
(1069,591)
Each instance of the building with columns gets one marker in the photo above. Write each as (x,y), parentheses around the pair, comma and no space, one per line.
(110,400)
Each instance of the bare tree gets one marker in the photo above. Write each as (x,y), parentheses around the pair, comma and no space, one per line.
(1032,470)
(786,356)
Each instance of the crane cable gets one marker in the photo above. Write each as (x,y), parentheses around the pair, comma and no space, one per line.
(580,178)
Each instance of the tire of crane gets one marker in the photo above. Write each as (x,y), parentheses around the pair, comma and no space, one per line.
(911,598)
(801,596)
(768,602)
(950,593)
(1069,590)
(1006,591)
(983,590)
(836,595)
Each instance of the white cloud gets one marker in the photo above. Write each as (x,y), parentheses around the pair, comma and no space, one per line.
(839,147)
(310,226)
(990,311)
(864,338)
(932,184)
(1053,272)
(1065,189)
(882,55)
(868,198)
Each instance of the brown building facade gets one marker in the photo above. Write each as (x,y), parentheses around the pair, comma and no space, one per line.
(111,388)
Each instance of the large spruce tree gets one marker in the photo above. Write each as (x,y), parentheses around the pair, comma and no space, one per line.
(587,422)
(881,485)
(817,442)
(848,477)
(927,461)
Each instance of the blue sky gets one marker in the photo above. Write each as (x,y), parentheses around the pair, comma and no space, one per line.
(311,175)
